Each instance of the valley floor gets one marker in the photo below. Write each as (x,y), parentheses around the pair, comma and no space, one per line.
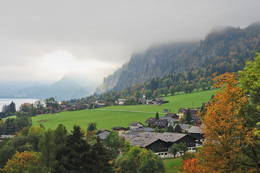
(112,116)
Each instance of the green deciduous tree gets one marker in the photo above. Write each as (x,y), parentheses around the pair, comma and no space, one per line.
(140,161)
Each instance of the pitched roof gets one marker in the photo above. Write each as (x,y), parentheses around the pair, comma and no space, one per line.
(185,126)
(135,123)
(103,135)
(195,129)
(169,119)
(160,123)
(149,120)
(118,128)
(147,129)
(172,115)
(146,138)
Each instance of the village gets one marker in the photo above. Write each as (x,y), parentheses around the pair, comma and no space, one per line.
(160,133)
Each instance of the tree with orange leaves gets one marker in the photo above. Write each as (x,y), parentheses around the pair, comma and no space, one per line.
(191,165)
(21,162)
(225,129)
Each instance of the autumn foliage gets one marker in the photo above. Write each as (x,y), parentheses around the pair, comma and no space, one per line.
(21,162)
(192,165)
(225,130)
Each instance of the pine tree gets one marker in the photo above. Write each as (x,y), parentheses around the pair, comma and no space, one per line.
(157,116)
(12,108)
(188,117)
(99,158)
(76,152)
(177,129)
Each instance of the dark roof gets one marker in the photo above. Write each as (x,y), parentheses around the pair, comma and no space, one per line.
(192,111)
(135,123)
(158,99)
(103,130)
(160,123)
(119,128)
(150,120)
(172,115)
(147,129)
(103,135)
(146,138)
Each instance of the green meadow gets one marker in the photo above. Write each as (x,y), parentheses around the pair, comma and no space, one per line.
(105,119)
(111,116)
(171,165)
(190,100)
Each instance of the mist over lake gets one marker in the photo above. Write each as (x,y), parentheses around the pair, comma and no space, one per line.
(18,102)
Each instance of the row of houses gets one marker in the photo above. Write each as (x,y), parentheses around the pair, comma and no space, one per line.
(155,101)
(159,143)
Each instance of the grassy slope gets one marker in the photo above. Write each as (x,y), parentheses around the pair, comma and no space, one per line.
(171,165)
(190,100)
(108,117)
(104,119)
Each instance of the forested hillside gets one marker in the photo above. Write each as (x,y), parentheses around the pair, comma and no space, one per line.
(224,50)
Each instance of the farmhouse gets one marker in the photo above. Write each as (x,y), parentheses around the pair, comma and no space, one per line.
(103,135)
(136,125)
(184,127)
(194,112)
(149,121)
(99,104)
(158,101)
(160,123)
(169,120)
(159,143)
(172,115)
(119,129)
(121,101)
(197,133)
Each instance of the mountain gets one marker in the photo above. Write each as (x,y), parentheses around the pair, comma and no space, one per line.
(222,50)
(65,89)
(109,82)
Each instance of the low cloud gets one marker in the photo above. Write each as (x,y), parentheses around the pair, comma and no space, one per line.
(43,40)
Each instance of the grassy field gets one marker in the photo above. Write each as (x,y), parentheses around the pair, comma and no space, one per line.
(108,117)
(190,100)
(171,165)
(105,119)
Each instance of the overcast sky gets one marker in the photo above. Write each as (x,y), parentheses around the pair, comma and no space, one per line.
(43,40)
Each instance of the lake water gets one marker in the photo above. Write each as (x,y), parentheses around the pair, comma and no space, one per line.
(17,102)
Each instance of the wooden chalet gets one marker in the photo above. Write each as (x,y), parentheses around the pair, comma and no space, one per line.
(121,101)
(149,121)
(160,123)
(159,143)
(119,129)
(136,125)
(197,133)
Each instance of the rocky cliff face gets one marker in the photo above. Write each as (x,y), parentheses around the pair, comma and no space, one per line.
(219,47)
